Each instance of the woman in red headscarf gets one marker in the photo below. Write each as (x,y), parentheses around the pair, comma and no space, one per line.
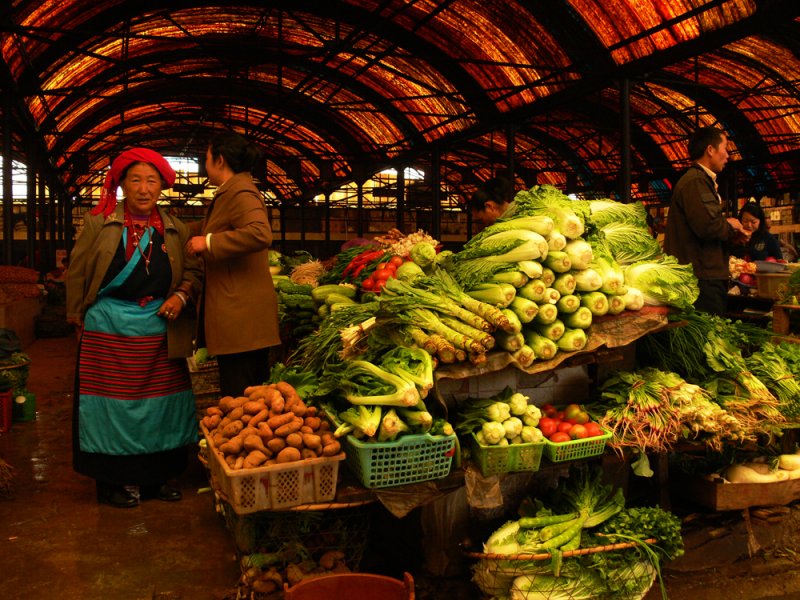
(130,290)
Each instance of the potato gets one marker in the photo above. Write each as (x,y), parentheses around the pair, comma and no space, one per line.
(313,422)
(254,442)
(265,432)
(258,418)
(276,444)
(254,459)
(311,440)
(295,440)
(236,414)
(228,403)
(214,410)
(233,429)
(252,407)
(277,421)
(233,446)
(331,449)
(307,453)
(239,463)
(292,426)
(288,454)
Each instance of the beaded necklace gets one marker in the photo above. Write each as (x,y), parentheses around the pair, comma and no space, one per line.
(137,237)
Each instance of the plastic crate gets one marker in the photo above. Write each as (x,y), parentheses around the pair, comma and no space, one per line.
(275,487)
(575,449)
(493,460)
(410,459)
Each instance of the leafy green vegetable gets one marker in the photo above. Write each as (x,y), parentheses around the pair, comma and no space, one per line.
(664,282)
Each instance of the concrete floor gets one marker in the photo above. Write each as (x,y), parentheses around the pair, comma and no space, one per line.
(57,542)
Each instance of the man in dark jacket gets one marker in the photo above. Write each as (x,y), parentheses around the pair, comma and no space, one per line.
(697,232)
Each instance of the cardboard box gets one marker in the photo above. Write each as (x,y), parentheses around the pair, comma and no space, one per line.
(718,495)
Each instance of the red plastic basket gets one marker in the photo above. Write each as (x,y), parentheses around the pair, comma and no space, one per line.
(352,586)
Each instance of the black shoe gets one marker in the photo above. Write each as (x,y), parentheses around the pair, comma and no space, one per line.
(115,496)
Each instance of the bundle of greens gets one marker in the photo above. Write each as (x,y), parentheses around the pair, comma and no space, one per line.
(663,282)
(630,243)
(769,367)
(509,572)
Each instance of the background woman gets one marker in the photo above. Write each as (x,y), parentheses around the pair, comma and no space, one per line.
(128,286)
(762,244)
(239,308)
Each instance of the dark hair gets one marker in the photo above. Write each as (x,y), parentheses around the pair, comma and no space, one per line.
(239,154)
(702,139)
(499,189)
(753,208)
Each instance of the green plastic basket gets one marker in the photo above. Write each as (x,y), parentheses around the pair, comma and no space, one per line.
(410,459)
(575,449)
(493,460)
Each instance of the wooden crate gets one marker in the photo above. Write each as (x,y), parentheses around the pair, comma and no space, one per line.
(717,495)
(782,317)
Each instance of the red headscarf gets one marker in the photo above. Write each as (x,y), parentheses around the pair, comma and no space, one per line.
(108,196)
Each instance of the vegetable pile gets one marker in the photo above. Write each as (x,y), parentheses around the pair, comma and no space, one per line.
(271,425)
(582,513)
(506,418)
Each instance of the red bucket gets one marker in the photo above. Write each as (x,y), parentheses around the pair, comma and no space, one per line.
(352,586)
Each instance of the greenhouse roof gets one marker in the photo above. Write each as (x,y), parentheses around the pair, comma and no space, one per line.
(336,90)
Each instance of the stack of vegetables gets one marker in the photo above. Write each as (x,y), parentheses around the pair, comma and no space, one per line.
(297,312)
(503,419)
(531,557)
(552,265)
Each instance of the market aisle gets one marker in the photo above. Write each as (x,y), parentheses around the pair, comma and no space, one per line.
(57,542)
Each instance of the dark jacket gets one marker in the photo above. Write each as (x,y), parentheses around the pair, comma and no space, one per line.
(697,232)
(240,305)
(760,246)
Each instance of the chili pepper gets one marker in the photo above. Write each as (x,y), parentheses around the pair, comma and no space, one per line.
(362,259)
(358,270)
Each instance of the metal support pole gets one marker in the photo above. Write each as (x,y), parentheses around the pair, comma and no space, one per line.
(46,249)
(360,208)
(625,142)
(436,182)
(511,150)
(8,190)
(30,212)
(400,204)
(327,219)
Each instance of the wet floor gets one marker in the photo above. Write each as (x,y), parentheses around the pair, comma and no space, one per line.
(56,542)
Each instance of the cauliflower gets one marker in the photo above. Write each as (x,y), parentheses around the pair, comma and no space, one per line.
(531,435)
(518,404)
(532,415)
(513,427)
(498,412)
(493,432)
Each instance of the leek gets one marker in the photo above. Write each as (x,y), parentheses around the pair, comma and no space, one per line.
(534,290)
(543,347)
(580,253)
(552,330)
(531,268)
(515,278)
(568,303)
(548,276)
(514,323)
(580,319)
(496,294)
(525,309)
(597,302)
(564,283)
(572,340)
(551,295)
(616,304)
(558,261)
(588,280)
(547,313)
(556,241)
(509,341)
(634,299)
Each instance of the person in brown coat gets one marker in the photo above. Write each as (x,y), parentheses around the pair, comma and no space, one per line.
(239,306)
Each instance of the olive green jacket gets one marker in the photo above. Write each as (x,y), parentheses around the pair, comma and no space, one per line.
(93,253)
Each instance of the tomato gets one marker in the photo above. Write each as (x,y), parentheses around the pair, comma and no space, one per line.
(382,274)
(559,436)
(396,261)
(547,426)
(379,283)
(548,410)
(578,432)
(564,426)
(381,265)
(771,259)
(747,279)
(572,410)
(368,284)
(593,429)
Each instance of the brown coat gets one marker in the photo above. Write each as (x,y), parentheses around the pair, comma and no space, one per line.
(240,306)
